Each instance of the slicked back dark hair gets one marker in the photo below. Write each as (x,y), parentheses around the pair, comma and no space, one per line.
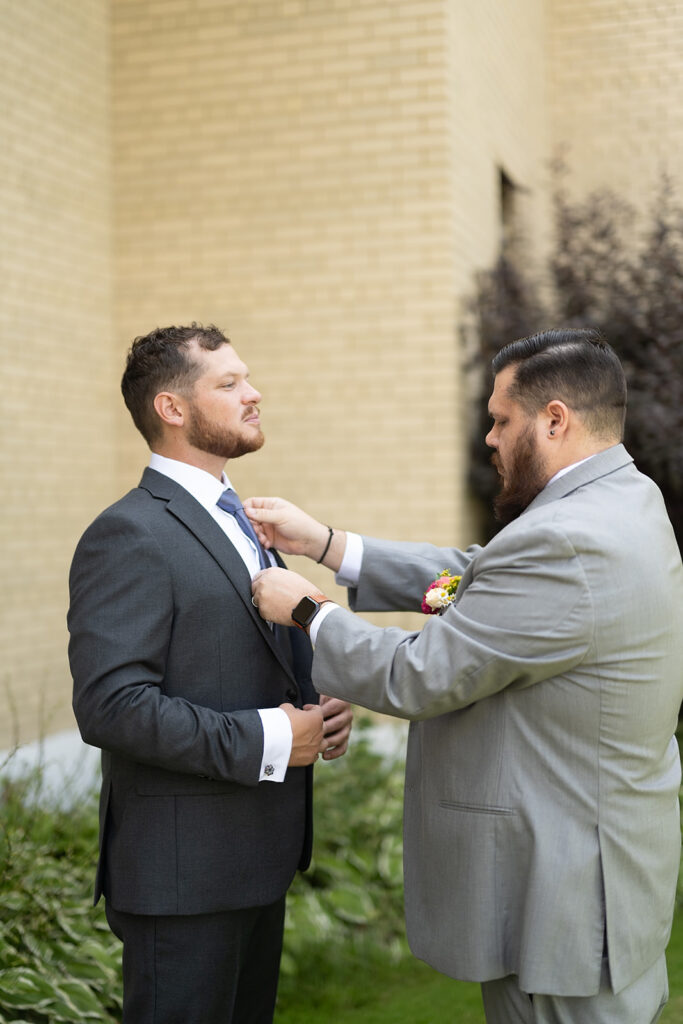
(161,361)
(574,365)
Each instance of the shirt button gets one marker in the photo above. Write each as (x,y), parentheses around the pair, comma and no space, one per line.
(269,770)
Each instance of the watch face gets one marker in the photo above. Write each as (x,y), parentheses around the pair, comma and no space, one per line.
(304,611)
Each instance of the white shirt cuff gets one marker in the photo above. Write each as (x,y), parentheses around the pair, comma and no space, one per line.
(320,616)
(277,744)
(349,570)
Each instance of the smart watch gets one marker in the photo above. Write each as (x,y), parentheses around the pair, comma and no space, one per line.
(306,610)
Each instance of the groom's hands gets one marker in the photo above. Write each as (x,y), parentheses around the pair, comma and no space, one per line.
(282,525)
(276,592)
(307,733)
(319,729)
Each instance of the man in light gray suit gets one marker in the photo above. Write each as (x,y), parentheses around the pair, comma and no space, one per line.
(206,716)
(542,833)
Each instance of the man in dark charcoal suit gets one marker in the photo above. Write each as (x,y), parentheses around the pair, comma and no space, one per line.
(206,715)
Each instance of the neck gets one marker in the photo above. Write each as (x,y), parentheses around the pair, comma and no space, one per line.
(213,464)
(565,456)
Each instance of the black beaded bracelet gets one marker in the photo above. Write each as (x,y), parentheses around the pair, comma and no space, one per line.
(327,546)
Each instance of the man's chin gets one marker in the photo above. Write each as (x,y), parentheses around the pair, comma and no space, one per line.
(250,442)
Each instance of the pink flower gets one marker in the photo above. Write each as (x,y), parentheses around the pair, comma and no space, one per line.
(440,593)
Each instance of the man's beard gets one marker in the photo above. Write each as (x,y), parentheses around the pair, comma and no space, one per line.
(216,439)
(525,477)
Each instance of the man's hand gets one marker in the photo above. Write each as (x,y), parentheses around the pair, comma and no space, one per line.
(280,524)
(307,733)
(277,591)
(338,718)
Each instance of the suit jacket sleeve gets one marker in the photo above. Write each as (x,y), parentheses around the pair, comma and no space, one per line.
(395,576)
(120,620)
(520,618)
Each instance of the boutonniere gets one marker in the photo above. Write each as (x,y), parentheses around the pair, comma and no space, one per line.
(440,593)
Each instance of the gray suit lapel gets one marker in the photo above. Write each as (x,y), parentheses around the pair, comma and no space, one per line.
(188,511)
(598,466)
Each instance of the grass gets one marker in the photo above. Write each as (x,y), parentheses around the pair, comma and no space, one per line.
(382,994)
(412,993)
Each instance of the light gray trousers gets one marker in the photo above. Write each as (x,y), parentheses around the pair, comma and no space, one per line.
(641,1002)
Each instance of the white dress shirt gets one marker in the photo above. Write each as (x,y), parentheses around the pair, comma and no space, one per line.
(207,489)
(347,576)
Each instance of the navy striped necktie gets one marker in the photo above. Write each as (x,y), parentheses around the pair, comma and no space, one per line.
(230,502)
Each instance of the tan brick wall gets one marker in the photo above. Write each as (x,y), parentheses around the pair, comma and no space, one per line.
(498,123)
(616,85)
(282,169)
(320,178)
(56,428)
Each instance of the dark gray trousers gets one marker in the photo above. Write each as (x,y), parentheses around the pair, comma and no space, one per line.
(201,968)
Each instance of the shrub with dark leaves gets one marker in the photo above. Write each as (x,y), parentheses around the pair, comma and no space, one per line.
(610,270)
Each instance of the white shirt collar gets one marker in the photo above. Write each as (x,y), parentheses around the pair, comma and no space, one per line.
(566,469)
(203,486)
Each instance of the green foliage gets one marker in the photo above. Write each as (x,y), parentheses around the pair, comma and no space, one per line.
(58,959)
(345,953)
(60,963)
(611,271)
(350,901)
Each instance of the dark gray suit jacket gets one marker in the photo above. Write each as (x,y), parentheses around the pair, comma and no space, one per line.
(170,662)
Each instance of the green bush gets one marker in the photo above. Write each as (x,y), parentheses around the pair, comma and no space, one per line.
(351,898)
(608,270)
(344,926)
(60,963)
(58,960)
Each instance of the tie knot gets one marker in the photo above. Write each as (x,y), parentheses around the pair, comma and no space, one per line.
(229,501)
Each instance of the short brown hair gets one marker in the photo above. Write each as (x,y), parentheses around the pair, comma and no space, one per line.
(159,361)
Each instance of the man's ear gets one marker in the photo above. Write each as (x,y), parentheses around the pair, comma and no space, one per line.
(557,417)
(170,408)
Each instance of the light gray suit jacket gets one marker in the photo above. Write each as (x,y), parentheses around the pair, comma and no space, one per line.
(541,804)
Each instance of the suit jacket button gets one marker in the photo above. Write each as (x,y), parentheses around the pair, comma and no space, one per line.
(291,696)
(268,770)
